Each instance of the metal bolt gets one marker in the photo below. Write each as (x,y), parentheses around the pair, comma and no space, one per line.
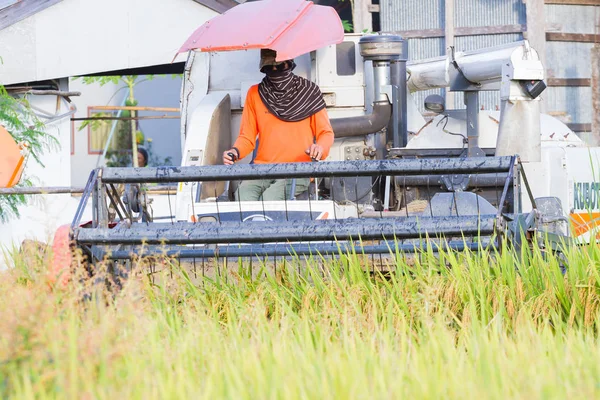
(357,149)
(348,150)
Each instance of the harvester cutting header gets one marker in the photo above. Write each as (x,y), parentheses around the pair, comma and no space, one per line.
(468,178)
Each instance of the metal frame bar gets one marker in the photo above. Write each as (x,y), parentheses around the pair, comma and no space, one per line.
(87,192)
(506,187)
(442,153)
(292,250)
(476,180)
(32,190)
(404,167)
(265,232)
(115,199)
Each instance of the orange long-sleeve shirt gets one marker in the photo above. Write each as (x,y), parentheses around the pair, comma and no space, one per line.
(280,141)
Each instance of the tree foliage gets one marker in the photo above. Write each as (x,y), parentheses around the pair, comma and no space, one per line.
(21,122)
(119,153)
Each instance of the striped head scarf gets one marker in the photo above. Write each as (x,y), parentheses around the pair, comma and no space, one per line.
(290,97)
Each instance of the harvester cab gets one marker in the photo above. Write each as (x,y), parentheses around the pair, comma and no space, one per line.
(396,179)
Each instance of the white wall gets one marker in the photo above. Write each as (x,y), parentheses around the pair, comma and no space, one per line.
(44,214)
(76,37)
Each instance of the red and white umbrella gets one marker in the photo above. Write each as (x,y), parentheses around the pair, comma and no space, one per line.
(290,27)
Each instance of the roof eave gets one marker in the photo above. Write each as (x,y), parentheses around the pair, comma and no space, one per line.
(21,10)
(219,6)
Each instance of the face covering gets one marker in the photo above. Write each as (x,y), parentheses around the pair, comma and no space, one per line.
(289,97)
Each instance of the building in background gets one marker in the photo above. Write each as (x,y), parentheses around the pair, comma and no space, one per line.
(161,132)
(44,44)
(566,33)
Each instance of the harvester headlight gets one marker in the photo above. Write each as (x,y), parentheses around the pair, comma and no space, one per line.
(534,87)
(435,103)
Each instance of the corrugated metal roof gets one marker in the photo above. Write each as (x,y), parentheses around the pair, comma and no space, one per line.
(563,59)
(398,15)
(19,10)
(419,49)
(468,43)
(575,101)
(572,19)
(489,12)
(568,59)
(429,14)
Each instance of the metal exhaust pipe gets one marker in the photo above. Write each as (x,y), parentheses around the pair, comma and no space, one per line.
(365,124)
(389,56)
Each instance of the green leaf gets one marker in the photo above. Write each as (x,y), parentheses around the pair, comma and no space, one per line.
(24,126)
(347,26)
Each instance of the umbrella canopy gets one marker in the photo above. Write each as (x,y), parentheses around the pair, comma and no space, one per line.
(290,27)
(11,162)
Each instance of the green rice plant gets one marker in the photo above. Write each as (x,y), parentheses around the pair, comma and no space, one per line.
(450,325)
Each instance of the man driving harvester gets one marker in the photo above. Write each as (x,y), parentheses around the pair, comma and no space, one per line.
(287,114)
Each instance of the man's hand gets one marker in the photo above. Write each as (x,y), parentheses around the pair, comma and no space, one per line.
(315,151)
(229,157)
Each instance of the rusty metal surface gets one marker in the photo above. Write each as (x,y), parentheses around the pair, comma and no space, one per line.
(305,170)
(275,231)
(571,18)
(283,250)
(457,215)
(410,15)
(572,60)
(71,190)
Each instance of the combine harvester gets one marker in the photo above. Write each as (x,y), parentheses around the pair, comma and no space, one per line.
(467,179)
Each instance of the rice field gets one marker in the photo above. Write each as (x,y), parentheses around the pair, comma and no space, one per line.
(464,326)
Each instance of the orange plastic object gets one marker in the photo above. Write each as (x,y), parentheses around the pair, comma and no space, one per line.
(11,160)
(60,267)
(290,27)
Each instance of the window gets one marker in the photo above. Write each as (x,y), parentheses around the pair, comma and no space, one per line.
(346,58)
(100,127)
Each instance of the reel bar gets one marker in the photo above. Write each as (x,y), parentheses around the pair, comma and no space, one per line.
(283,231)
(391,167)
(285,250)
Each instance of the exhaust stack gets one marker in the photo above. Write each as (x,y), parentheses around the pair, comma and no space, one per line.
(388,54)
